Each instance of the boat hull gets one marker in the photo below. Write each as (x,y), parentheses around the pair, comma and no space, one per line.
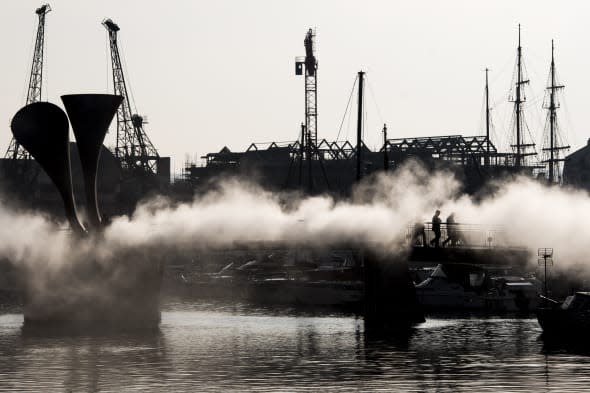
(565,323)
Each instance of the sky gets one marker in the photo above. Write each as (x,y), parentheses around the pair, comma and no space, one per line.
(209,74)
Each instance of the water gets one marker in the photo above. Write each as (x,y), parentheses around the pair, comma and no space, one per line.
(213,347)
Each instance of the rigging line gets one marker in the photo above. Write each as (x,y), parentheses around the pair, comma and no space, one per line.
(570,130)
(347,105)
(374,99)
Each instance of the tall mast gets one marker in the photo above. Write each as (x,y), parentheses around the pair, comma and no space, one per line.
(552,118)
(518,101)
(385,155)
(487,160)
(15,150)
(359,127)
(553,149)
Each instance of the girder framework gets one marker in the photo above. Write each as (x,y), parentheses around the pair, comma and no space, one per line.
(133,148)
(15,150)
(457,148)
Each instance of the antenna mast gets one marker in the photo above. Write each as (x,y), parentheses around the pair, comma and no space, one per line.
(134,149)
(15,150)
(553,150)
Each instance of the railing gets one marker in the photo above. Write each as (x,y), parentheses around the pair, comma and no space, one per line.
(456,235)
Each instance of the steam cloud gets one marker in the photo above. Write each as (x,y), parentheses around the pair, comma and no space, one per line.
(531,214)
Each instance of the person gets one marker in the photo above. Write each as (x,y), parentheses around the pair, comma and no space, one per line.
(419,234)
(451,231)
(436,229)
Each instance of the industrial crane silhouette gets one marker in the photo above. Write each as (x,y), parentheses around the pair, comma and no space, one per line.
(134,150)
(15,150)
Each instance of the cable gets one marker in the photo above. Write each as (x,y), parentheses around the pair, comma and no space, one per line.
(347,106)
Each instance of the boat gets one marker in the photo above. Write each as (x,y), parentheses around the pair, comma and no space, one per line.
(567,319)
(455,286)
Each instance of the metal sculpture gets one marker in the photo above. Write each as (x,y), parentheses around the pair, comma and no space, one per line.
(90,116)
(42,128)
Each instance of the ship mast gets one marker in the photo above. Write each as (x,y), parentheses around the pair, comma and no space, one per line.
(518,101)
(553,149)
(487,160)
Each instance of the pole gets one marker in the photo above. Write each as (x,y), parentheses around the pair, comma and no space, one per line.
(552,120)
(487,161)
(385,157)
(518,102)
(301,151)
(309,148)
(545,283)
(359,127)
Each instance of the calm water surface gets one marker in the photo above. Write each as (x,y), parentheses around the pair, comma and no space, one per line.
(213,347)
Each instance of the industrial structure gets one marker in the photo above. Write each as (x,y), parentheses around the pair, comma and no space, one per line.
(334,167)
(131,172)
(135,151)
(15,150)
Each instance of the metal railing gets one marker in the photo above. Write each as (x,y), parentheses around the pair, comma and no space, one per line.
(456,235)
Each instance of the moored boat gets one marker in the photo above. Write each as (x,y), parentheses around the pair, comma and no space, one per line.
(567,319)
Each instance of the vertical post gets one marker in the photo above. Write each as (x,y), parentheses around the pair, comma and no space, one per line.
(545,293)
(518,102)
(552,120)
(359,127)
(301,152)
(385,156)
(487,160)
(309,147)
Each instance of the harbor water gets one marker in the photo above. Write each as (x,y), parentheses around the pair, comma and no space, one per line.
(234,347)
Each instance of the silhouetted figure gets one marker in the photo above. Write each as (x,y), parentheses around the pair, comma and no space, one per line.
(452,234)
(436,229)
(419,234)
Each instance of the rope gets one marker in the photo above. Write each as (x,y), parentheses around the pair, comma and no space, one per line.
(347,106)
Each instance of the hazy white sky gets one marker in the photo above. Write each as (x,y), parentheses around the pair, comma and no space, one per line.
(215,73)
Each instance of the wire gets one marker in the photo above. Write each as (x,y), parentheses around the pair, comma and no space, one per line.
(347,106)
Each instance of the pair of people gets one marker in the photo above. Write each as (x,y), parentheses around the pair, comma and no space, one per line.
(452,234)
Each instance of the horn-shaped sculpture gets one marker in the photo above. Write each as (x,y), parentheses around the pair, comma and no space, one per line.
(90,115)
(42,128)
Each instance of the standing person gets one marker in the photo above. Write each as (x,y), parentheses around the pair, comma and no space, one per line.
(436,229)
(419,234)
(451,231)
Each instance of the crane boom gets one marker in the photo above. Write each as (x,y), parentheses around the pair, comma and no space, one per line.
(134,149)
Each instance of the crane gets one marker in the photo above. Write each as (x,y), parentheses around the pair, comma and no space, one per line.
(310,64)
(134,150)
(15,150)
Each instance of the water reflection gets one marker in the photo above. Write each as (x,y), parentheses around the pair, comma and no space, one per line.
(204,347)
